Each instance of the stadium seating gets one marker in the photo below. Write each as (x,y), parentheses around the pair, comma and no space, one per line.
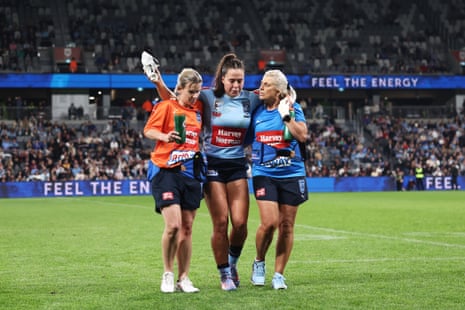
(342,36)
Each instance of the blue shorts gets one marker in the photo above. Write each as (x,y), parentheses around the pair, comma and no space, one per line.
(226,170)
(289,191)
(169,187)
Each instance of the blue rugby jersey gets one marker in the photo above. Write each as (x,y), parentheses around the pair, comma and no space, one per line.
(268,130)
(226,121)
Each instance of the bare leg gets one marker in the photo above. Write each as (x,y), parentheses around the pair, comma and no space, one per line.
(238,201)
(169,240)
(285,240)
(216,199)
(269,221)
(184,252)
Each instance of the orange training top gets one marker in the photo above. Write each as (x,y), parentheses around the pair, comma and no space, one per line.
(171,154)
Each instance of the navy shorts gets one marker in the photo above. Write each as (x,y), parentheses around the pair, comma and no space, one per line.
(169,187)
(226,170)
(289,191)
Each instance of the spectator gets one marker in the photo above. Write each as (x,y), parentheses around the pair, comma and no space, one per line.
(147,107)
(73,65)
(72,112)
(454,172)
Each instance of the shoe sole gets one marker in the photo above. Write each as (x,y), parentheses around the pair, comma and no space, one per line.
(258,283)
(279,288)
(179,289)
(168,292)
(188,292)
(227,289)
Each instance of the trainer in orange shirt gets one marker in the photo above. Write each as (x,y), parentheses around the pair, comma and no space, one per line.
(174,166)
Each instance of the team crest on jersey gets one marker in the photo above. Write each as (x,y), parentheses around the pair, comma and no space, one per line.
(246,107)
(217,107)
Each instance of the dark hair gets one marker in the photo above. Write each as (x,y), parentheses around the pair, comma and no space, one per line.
(229,61)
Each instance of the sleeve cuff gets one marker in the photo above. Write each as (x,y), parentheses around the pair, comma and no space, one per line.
(287,118)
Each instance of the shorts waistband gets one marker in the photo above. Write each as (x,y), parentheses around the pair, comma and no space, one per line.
(287,153)
(178,168)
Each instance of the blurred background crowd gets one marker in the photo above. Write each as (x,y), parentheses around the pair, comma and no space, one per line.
(391,36)
(336,36)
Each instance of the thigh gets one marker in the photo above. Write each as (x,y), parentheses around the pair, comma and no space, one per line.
(269,213)
(188,220)
(238,200)
(216,199)
(287,215)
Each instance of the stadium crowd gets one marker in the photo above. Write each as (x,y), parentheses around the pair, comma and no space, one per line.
(36,149)
(39,150)
(364,37)
(372,36)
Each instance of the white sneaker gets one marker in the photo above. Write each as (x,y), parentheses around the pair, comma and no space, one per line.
(258,273)
(150,66)
(186,286)
(278,282)
(167,283)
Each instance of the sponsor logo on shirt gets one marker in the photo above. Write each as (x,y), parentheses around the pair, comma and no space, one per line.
(273,138)
(227,137)
(280,161)
(180,156)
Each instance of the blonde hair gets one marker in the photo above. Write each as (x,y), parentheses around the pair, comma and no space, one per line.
(188,76)
(280,81)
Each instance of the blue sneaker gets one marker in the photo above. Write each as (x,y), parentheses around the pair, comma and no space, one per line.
(258,273)
(235,275)
(233,265)
(278,282)
(227,284)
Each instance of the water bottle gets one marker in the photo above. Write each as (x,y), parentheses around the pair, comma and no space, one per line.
(287,134)
(179,126)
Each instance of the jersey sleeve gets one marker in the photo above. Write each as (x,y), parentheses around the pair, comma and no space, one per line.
(299,113)
(157,117)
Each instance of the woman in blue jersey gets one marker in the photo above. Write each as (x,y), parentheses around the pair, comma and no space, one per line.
(226,118)
(278,172)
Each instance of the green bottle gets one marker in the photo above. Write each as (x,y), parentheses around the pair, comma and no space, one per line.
(179,126)
(287,134)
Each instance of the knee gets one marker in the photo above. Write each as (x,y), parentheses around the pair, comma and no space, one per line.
(286,228)
(172,229)
(240,227)
(186,230)
(220,225)
(269,228)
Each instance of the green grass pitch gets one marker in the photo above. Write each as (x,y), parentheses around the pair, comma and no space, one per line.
(378,250)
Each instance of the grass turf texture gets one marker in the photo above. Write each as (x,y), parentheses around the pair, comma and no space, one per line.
(388,250)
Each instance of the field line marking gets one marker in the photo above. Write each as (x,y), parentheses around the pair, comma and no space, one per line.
(331,230)
(379,260)
(377,236)
(114,203)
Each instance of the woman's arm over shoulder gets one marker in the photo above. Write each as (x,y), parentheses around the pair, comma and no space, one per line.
(163,91)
